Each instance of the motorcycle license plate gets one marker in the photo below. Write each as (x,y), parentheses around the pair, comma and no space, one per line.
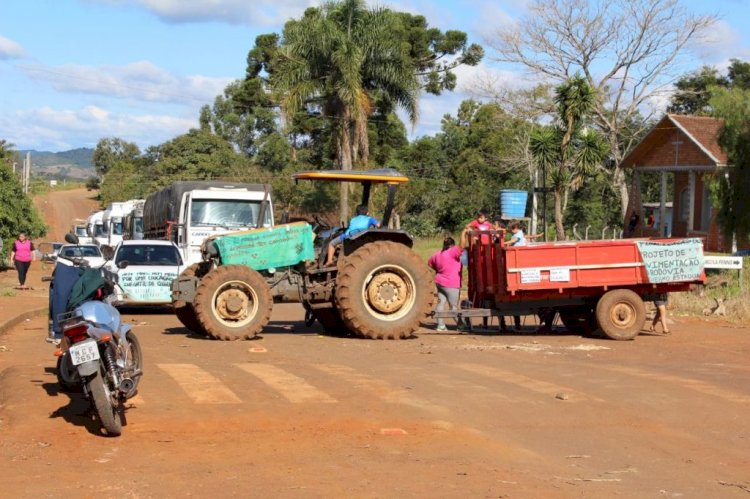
(83,352)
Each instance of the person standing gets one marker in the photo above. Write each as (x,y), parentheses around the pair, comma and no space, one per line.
(661,314)
(22,254)
(447,266)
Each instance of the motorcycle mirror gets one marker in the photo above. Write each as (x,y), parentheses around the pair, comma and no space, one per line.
(71,238)
(123,264)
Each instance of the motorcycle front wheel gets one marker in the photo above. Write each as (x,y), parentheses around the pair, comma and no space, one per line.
(105,403)
(67,375)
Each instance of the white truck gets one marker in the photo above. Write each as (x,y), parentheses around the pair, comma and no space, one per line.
(188,212)
(114,220)
(133,229)
(95,228)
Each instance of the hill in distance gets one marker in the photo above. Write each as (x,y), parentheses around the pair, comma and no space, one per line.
(74,164)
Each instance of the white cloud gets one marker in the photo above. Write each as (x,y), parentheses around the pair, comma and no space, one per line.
(249,12)
(10,49)
(720,44)
(46,128)
(139,80)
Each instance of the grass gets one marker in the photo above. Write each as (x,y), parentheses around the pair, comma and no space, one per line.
(729,285)
(724,284)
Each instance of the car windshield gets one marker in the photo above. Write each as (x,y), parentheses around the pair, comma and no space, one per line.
(80,251)
(148,254)
(226,213)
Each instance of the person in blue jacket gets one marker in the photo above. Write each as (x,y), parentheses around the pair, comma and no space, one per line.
(362,221)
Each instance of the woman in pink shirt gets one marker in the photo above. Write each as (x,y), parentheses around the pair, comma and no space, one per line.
(22,254)
(447,265)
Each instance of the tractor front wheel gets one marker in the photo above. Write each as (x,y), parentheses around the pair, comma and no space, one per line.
(233,302)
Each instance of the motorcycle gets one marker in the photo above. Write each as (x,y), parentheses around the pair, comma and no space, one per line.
(98,354)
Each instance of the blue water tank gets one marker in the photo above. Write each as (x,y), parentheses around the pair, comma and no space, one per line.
(513,203)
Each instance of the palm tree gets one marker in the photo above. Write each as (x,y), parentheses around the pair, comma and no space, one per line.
(337,59)
(568,149)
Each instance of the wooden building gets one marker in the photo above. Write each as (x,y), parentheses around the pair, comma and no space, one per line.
(686,148)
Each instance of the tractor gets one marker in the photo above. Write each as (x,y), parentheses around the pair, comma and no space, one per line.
(377,287)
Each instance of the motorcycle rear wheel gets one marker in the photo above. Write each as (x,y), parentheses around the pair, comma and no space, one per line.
(107,411)
(135,361)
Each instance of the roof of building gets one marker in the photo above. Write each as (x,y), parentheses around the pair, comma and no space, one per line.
(703,131)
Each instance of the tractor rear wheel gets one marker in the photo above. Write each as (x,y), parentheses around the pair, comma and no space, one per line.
(384,291)
(233,302)
(620,314)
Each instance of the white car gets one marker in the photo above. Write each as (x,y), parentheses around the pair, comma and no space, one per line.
(89,252)
(147,277)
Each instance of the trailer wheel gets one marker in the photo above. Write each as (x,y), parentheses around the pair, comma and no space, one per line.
(184,311)
(233,302)
(620,314)
(579,320)
(384,290)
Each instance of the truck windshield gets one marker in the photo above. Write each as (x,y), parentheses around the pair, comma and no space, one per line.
(99,230)
(226,213)
(81,231)
(138,225)
(116,228)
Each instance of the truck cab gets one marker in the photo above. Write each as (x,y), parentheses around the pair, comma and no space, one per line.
(133,225)
(114,220)
(95,228)
(189,212)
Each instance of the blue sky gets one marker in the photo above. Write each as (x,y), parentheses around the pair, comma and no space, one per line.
(75,71)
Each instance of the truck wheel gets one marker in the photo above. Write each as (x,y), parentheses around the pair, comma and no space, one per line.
(620,314)
(184,311)
(384,290)
(233,302)
(579,320)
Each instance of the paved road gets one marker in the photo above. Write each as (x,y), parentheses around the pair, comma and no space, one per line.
(296,414)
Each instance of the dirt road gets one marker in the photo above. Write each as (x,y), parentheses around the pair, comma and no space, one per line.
(60,208)
(296,414)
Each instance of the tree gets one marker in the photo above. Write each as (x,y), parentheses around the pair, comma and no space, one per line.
(693,91)
(691,95)
(110,150)
(569,150)
(196,155)
(17,212)
(625,49)
(733,105)
(341,58)
(329,56)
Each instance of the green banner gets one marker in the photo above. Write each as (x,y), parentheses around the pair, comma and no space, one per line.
(262,249)
(672,262)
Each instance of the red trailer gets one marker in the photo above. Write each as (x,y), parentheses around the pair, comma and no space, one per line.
(590,284)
